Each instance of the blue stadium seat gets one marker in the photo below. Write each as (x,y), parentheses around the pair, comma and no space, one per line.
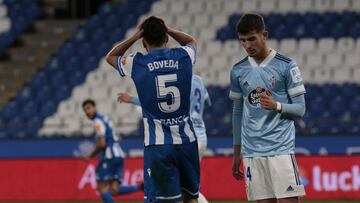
(43,94)
(62,92)
(328,18)
(329,91)
(349,17)
(319,31)
(355,30)
(338,30)
(47,108)
(349,90)
(337,106)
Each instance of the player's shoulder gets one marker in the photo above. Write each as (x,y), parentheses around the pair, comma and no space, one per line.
(197,81)
(283,59)
(99,117)
(243,63)
(196,78)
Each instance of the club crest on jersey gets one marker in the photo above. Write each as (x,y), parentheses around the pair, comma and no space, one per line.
(273,81)
(254,96)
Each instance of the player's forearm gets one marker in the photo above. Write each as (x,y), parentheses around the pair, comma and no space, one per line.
(182,37)
(119,50)
(237,150)
(135,100)
(236,121)
(296,108)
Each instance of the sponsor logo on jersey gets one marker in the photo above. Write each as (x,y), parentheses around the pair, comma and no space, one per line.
(254,96)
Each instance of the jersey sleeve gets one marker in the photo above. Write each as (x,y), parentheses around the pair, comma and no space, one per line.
(191,51)
(294,81)
(99,128)
(124,64)
(235,90)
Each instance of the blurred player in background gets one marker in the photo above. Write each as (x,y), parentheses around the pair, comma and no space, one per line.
(200,99)
(268,93)
(163,82)
(111,156)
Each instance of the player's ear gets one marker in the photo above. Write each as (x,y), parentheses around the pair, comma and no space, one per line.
(265,35)
(144,44)
(166,39)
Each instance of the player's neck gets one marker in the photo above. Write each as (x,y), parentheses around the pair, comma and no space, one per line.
(262,56)
(151,48)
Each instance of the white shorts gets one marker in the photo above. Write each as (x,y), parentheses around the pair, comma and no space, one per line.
(272,177)
(202,148)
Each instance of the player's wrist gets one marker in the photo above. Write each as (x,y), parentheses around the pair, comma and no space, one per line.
(278,106)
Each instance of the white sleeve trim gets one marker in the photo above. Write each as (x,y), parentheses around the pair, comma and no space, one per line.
(126,64)
(191,52)
(119,67)
(296,90)
(235,95)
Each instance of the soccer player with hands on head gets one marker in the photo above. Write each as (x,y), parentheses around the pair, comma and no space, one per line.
(162,78)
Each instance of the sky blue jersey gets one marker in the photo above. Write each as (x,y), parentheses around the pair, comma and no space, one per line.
(264,132)
(104,128)
(163,82)
(199,99)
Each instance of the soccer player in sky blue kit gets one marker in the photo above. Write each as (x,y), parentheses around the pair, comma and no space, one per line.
(162,79)
(268,93)
(199,100)
(111,156)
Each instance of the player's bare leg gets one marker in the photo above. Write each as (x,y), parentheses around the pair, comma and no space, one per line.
(115,187)
(104,189)
(188,199)
(103,186)
(267,201)
(289,200)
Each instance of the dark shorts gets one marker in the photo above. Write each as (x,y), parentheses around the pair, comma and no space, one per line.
(170,170)
(110,169)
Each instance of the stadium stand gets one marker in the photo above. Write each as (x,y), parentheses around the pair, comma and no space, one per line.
(320,39)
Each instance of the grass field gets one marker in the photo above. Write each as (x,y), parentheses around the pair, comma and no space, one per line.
(338,201)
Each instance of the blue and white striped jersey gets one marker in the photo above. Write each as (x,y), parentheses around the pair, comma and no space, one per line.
(104,128)
(264,132)
(199,98)
(163,82)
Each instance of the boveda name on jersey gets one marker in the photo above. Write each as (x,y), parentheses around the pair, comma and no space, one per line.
(163,64)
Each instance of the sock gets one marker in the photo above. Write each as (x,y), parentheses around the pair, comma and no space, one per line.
(202,199)
(106,197)
(129,189)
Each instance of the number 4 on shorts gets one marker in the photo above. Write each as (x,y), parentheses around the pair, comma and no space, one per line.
(248,173)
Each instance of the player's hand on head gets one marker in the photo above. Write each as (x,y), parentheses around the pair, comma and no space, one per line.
(267,101)
(124,97)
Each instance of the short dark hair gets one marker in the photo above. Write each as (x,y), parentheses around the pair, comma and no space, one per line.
(88,101)
(154,31)
(250,22)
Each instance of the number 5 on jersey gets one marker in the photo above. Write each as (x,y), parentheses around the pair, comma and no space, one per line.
(163,91)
